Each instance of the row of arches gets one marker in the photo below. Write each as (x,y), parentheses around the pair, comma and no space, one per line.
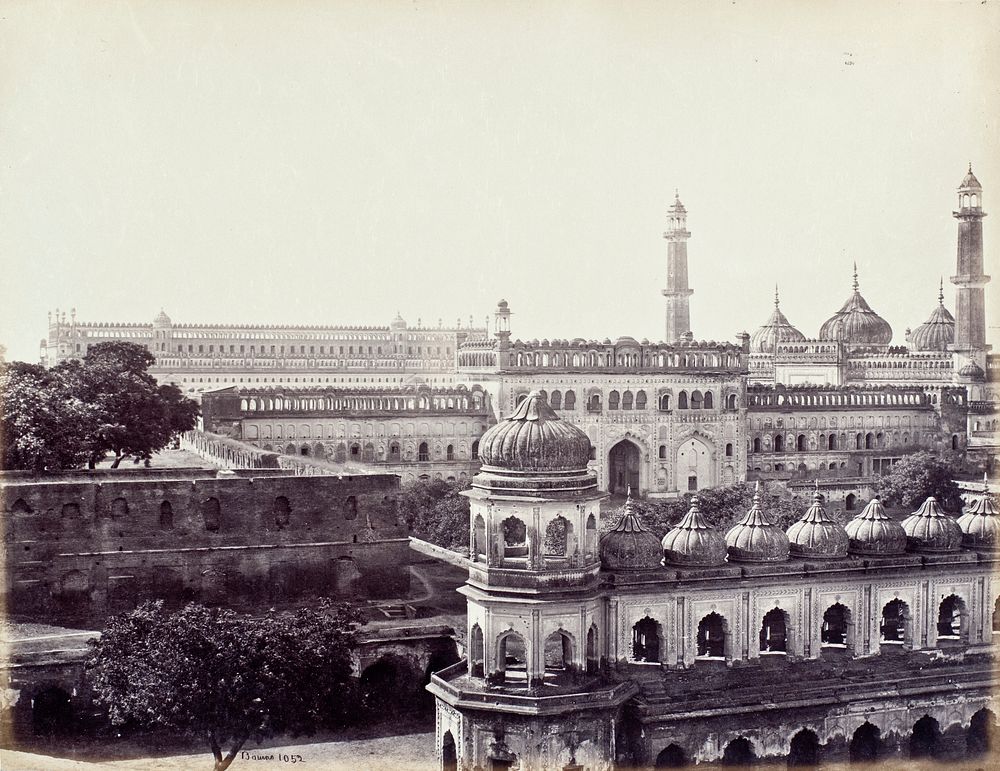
(363,403)
(775,633)
(513,663)
(609,359)
(396,452)
(765,396)
(926,740)
(345,431)
(872,440)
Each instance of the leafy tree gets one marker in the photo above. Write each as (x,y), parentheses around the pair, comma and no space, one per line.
(436,512)
(78,411)
(916,477)
(224,677)
(43,426)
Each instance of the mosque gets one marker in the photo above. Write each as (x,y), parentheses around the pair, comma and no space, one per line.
(593,652)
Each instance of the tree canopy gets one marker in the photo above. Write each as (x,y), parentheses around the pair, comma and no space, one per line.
(436,512)
(916,477)
(223,677)
(78,411)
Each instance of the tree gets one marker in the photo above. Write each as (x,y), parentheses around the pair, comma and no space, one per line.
(916,477)
(78,411)
(44,427)
(436,512)
(224,677)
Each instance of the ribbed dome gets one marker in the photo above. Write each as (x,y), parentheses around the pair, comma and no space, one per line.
(692,542)
(856,324)
(816,536)
(970,182)
(162,319)
(534,439)
(776,330)
(755,538)
(873,532)
(938,332)
(628,545)
(980,523)
(972,371)
(930,529)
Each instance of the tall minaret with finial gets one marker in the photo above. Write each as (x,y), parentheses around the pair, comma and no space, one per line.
(677,291)
(970,301)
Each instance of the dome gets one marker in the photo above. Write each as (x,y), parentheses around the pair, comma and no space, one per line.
(970,182)
(938,332)
(930,529)
(980,524)
(856,324)
(162,319)
(755,538)
(629,545)
(534,439)
(776,330)
(873,532)
(398,322)
(972,371)
(816,535)
(692,542)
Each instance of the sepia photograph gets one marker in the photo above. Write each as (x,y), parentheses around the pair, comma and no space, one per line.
(499,386)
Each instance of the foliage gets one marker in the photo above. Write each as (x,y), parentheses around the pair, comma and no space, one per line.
(721,507)
(916,477)
(43,426)
(435,511)
(225,677)
(79,411)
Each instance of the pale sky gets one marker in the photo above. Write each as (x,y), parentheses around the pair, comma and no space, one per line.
(334,162)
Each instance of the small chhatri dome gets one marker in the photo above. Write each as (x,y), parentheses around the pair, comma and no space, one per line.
(776,329)
(980,523)
(938,332)
(399,322)
(162,319)
(755,538)
(534,439)
(856,324)
(816,535)
(972,371)
(692,542)
(677,207)
(930,529)
(629,545)
(970,182)
(873,532)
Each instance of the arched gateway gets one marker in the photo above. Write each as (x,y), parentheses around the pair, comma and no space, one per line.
(624,462)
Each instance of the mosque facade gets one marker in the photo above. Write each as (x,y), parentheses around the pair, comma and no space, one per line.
(621,650)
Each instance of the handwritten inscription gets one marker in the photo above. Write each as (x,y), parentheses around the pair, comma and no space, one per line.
(279,757)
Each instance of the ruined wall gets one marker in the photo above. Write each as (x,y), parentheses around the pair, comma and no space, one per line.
(77,549)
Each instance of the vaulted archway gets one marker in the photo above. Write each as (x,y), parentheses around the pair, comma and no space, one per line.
(624,466)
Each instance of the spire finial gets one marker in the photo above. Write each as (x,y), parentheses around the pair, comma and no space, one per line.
(756,492)
(775,295)
(986,484)
(855,275)
(628,493)
(970,167)
(941,292)
(677,192)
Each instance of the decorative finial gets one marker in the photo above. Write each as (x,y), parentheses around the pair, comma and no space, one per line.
(677,192)
(775,295)
(941,292)
(970,167)
(628,493)
(756,492)
(855,275)
(986,484)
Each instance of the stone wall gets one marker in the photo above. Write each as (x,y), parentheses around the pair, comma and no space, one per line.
(78,549)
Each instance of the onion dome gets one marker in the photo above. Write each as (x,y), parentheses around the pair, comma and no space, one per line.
(980,523)
(972,371)
(776,329)
(692,542)
(873,532)
(398,323)
(930,529)
(938,332)
(162,319)
(856,324)
(534,439)
(816,535)
(629,545)
(755,538)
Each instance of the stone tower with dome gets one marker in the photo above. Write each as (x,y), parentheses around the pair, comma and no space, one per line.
(678,291)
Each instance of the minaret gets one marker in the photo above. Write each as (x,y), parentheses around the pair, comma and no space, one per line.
(677,291)
(970,302)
